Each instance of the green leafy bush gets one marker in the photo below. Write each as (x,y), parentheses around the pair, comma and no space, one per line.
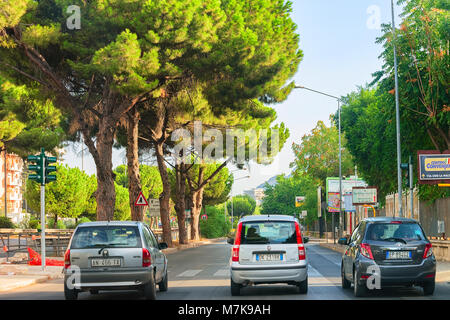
(83,220)
(6,222)
(59,224)
(215,226)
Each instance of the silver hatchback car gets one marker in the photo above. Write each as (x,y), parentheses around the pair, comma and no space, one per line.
(116,255)
(268,249)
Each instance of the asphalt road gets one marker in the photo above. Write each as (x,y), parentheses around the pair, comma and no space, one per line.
(202,274)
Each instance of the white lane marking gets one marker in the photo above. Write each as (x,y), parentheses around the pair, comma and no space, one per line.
(222,273)
(312,272)
(189,273)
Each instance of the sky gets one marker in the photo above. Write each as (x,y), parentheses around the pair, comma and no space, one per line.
(337,38)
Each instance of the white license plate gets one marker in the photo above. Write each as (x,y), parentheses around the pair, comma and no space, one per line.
(398,255)
(269,257)
(106,262)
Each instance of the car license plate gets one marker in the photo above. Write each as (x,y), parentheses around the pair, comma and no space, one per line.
(105,262)
(269,257)
(398,255)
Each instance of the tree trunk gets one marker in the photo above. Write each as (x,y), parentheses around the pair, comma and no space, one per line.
(180,205)
(196,209)
(134,179)
(102,153)
(164,198)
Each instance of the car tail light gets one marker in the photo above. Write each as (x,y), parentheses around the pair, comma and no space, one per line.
(396,222)
(366,251)
(237,244)
(428,250)
(67,259)
(301,247)
(146,258)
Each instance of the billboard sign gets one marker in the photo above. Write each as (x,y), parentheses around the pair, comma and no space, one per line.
(434,167)
(333,202)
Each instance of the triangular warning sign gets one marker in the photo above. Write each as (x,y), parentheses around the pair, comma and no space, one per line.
(141,201)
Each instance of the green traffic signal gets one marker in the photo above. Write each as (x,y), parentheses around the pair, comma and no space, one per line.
(404,166)
(50,178)
(42,168)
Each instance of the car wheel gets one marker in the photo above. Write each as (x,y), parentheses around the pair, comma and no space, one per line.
(164,284)
(303,286)
(345,283)
(70,294)
(235,288)
(358,289)
(428,288)
(149,289)
(93,291)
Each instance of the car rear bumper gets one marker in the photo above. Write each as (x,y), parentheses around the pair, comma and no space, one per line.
(393,275)
(243,274)
(109,280)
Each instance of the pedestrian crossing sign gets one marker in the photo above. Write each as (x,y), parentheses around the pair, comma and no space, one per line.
(141,201)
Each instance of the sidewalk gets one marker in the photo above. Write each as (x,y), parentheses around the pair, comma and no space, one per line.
(13,276)
(442,267)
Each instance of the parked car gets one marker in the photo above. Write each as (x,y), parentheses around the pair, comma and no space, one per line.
(116,255)
(268,249)
(399,249)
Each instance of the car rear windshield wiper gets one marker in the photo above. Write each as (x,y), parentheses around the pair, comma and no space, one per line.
(395,239)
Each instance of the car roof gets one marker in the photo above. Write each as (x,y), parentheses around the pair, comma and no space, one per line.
(109,223)
(264,217)
(388,219)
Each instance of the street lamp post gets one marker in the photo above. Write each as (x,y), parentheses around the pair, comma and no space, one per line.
(341,219)
(397,114)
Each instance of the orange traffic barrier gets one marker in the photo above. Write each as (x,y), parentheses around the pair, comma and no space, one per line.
(35,260)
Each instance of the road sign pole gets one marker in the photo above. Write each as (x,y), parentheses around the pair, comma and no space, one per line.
(43,227)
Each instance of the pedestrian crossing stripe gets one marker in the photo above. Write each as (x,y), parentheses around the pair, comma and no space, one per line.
(141,201)
(189,273)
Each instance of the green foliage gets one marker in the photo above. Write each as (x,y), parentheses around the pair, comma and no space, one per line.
(83,220)
(243,205)
(369,117)
(59,224)
(67,197)
(216,225)
(6,223)
(280,198)
(317,156)
(28,120)
(122,209)
(150,180)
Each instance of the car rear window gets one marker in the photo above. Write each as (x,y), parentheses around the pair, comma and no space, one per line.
(106,236)
(265,232)
(395,231)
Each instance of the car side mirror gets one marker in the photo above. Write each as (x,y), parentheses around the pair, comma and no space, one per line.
(230,241)
(344,241)
(163,246)
(305,239)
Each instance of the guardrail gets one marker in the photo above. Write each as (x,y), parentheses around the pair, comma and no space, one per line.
(56,240)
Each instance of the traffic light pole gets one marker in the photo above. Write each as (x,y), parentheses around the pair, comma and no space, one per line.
(43,210)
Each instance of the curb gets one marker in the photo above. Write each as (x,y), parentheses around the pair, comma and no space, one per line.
(191,245)
(19,283)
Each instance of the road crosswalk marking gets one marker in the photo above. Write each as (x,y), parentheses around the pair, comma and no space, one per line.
(222,273)
(189,273)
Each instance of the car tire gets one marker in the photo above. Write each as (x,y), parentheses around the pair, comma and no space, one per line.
(303,286)
(345,283)
(70,294)
(93,291)
(235,288)
(359,290)
(164,284)
(149,289)
(428,288)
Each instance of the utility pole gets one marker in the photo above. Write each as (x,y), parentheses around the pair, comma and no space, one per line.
(397,113)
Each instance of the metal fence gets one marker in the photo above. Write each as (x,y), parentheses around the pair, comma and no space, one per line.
(56,240)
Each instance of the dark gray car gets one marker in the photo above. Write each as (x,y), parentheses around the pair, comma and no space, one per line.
(395,250)
(116,255)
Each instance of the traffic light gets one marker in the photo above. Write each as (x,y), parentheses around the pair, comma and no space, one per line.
(37,168)
(49,169)
(406,166)
(42,168)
